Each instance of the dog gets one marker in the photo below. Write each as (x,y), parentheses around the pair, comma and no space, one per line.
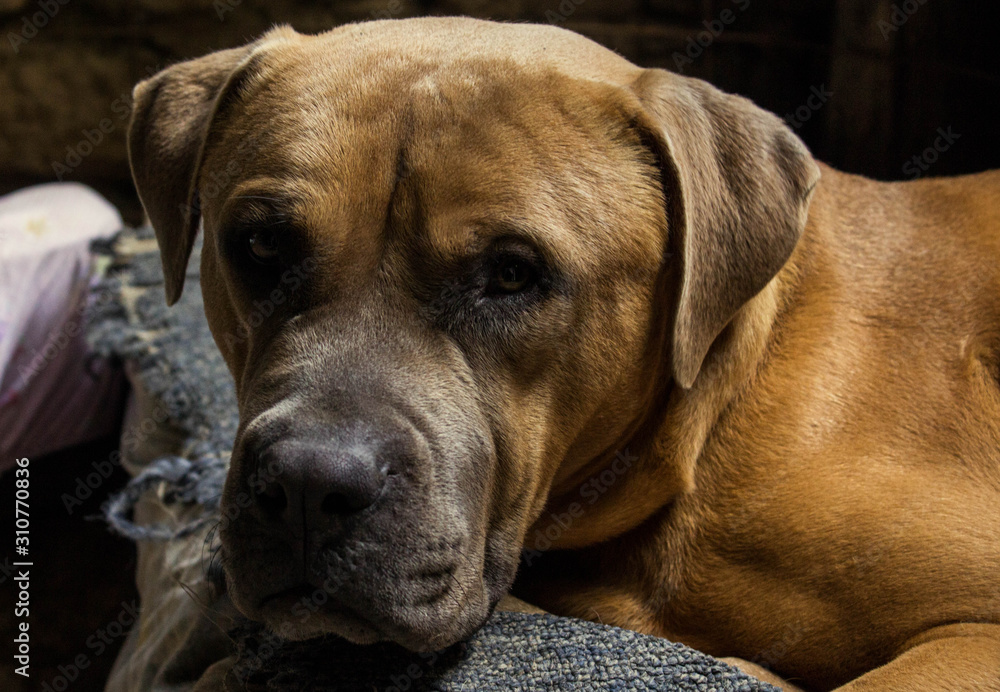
(494,297)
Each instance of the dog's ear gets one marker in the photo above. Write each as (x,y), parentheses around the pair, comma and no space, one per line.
(171,115)
(738,183)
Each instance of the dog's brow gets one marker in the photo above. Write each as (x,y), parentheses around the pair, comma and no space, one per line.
(475,238)
(517,230)
(260,210)
(269,199)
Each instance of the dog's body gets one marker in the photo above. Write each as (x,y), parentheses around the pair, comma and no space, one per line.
(606,314)
(848,470)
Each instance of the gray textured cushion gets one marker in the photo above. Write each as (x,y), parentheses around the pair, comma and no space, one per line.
(173,355)
(514,651)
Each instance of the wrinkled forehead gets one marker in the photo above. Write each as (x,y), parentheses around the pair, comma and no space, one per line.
(448,154)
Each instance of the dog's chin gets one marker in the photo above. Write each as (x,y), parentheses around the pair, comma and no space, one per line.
(318,624)
(418,629)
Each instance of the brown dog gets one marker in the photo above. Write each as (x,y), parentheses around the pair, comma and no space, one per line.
(490,287)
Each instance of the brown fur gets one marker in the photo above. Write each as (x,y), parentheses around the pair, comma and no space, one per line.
(797,371)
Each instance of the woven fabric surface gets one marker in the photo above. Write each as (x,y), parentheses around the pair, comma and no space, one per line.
(513,651)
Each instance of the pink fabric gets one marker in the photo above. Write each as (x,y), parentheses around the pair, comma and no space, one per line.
(53,394)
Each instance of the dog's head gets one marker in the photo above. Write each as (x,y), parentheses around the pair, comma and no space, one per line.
(447,262)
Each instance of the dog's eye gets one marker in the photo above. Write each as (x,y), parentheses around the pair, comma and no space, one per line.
(512,275)
(262,245)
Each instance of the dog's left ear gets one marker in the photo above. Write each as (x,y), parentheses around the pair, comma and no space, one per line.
(171,114)
(738,183)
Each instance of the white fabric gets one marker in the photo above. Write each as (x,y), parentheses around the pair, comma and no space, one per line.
(52,395)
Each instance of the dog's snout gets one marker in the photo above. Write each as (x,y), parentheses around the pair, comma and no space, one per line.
(318,481)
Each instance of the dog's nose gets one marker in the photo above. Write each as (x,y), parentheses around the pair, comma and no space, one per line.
(318,481)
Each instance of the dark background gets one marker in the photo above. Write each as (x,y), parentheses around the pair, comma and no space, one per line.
(898,70)
(893,87)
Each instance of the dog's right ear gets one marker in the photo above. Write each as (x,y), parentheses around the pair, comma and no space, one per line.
(738,183)
(171,115)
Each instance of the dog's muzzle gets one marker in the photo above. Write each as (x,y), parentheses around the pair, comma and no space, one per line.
(349,514)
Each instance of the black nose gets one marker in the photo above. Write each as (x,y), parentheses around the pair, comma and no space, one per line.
(315,480)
